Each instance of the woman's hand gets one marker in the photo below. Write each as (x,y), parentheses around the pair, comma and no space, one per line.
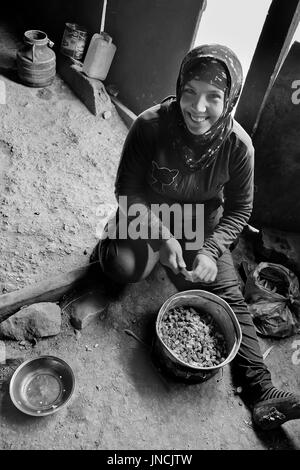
(204,269)
(170,255)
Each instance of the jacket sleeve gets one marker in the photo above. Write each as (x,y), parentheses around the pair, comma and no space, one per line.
(131,177)
(238,195)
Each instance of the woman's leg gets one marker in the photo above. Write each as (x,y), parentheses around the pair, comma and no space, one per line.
(124,261)
(272,407)
(248,363)
(127,261)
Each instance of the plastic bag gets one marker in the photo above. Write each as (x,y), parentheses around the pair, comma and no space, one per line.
(272,292)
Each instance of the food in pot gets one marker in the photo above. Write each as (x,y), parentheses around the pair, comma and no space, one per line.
(193,337)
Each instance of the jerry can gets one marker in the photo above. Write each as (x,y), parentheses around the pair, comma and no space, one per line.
(99,56)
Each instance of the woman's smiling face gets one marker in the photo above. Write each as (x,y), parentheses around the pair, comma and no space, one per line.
(201,105)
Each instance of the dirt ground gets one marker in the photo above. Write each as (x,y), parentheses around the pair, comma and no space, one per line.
(57,169)
(58,164)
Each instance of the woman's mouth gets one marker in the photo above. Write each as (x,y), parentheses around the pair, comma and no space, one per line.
(197,119)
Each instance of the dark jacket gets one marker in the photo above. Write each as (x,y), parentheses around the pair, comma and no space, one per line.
(149,172)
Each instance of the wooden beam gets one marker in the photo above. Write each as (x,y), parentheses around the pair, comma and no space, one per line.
(272,47)
(125,113)
(49,290)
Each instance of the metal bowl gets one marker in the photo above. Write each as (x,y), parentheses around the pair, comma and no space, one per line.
(42,386)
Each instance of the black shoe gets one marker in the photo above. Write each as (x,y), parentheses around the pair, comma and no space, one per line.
(272,413)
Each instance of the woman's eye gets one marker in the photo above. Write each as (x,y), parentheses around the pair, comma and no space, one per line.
(189,91)
(215,96)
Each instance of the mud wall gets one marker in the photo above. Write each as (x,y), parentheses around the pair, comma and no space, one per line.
(151,39)
(277,145)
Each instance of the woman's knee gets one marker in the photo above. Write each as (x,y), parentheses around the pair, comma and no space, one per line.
(126,261)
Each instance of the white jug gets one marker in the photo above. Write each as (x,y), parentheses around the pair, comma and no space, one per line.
(99,56)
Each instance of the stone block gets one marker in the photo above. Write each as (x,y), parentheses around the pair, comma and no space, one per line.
(35,321)
(90,91)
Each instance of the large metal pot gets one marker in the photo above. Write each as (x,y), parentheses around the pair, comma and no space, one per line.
(222,314)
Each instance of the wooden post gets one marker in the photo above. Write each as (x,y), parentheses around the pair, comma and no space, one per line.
(272,47)
(49,290)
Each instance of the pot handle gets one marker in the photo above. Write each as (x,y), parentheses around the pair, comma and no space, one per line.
(33,51)
(50,44)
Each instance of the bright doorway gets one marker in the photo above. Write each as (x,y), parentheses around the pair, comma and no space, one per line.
(234,23)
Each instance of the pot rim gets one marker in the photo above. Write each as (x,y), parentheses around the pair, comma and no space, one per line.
(208,295)
(31,40)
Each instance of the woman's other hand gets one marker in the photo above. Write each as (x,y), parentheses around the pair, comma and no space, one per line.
(170,255)
(204,269)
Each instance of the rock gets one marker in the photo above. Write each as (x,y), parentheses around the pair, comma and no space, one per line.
(106,114)
(35,321)
(86,308)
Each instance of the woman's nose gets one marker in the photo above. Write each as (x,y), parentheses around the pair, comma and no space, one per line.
(200,104)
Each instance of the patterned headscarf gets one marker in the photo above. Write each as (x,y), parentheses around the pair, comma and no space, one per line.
(199,151)
(207,70)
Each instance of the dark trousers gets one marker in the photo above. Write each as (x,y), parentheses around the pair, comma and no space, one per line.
(127,261)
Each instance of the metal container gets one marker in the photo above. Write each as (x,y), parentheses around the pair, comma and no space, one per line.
(74,41)
(42,386)
(36,62)
(224,317)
